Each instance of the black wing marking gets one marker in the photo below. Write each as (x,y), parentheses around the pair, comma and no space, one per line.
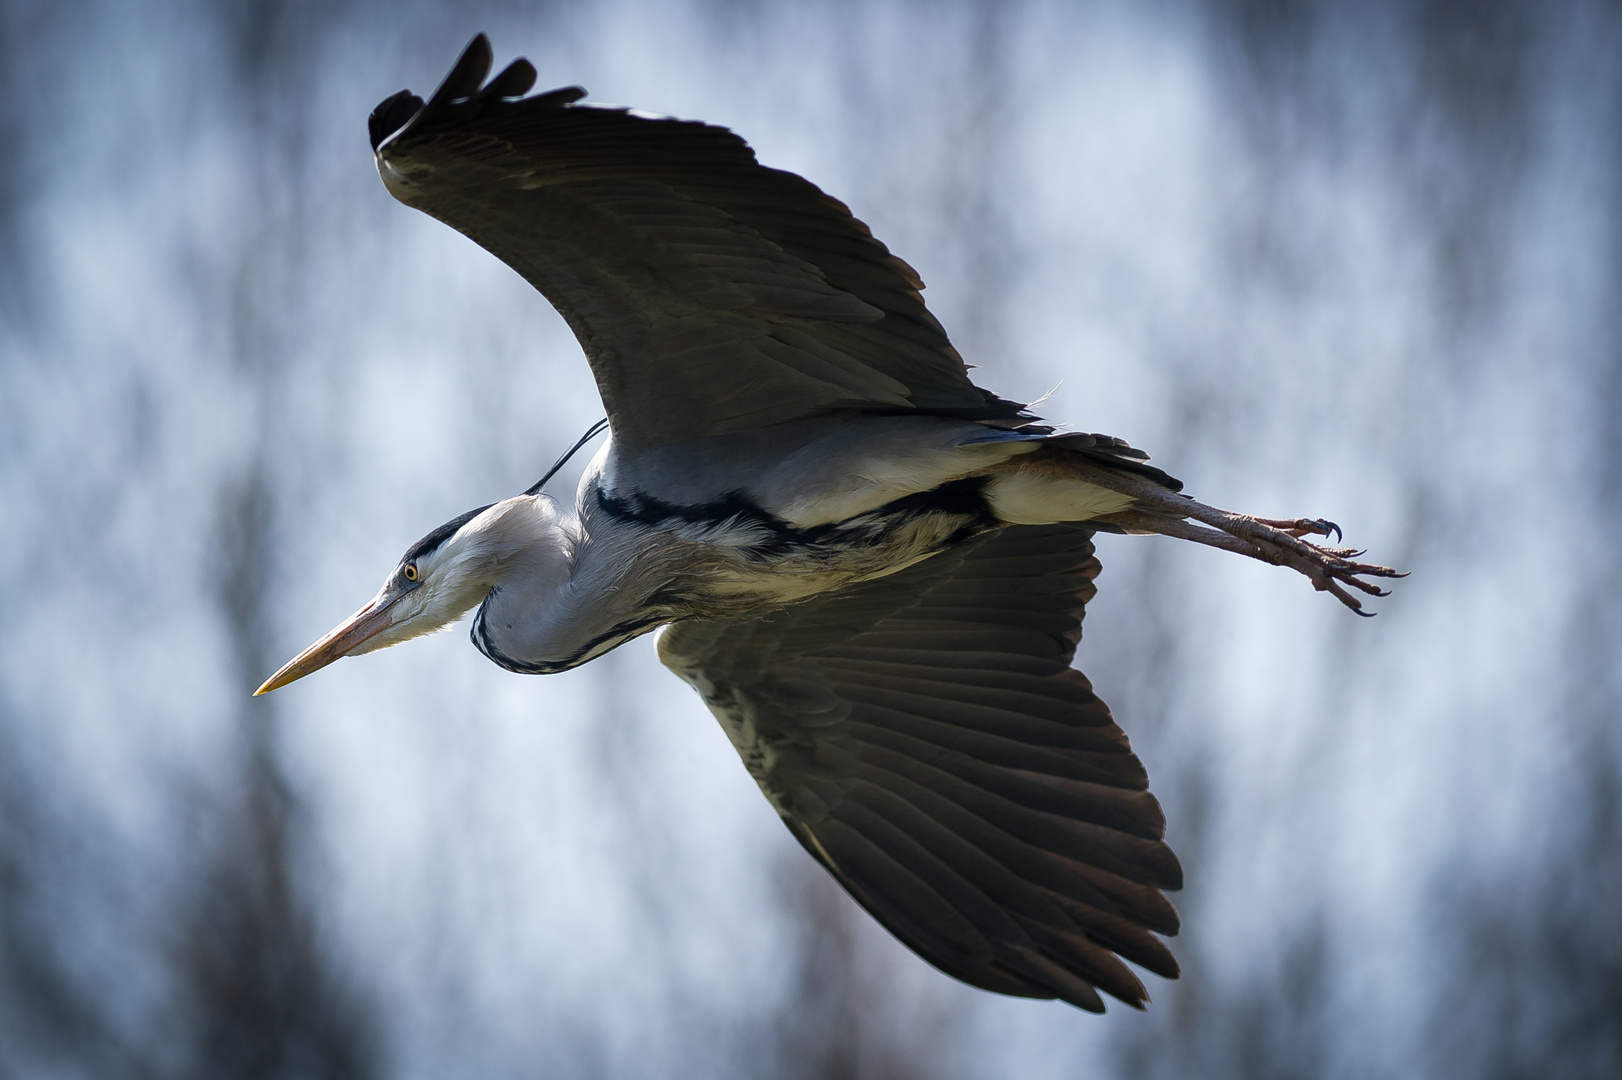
(711,294)
(924,736)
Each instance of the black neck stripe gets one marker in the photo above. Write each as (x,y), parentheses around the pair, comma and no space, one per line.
(613,637)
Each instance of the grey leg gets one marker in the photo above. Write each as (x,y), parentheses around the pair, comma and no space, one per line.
(1330,569)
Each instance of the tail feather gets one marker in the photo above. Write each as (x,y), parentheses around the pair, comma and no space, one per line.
(1116,454)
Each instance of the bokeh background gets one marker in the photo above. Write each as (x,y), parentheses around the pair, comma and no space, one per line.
(1354,260)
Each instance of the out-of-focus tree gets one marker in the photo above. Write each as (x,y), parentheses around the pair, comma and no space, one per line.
(1381,202)
(1468,114)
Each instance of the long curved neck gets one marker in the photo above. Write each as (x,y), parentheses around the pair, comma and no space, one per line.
(573,594)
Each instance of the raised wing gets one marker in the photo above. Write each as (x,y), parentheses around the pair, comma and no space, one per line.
(924,736)
(711,294)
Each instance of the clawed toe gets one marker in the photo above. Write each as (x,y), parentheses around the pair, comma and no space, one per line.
(1330,569)
(1332,574)
(1299,527)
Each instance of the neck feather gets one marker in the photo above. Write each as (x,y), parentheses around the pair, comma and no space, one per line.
(566,598)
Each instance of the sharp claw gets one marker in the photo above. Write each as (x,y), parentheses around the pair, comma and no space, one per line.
(1329,586)
(1330,567)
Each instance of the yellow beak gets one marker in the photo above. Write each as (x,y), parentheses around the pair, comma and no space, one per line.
(366,623)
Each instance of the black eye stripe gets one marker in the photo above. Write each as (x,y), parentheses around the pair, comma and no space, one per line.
(430,543)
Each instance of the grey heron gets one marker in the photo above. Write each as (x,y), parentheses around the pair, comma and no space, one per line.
(872,570)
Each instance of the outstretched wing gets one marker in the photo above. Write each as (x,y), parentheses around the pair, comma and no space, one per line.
(924,736)
(710,293)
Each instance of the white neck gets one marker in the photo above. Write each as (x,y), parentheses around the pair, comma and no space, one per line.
(561,595)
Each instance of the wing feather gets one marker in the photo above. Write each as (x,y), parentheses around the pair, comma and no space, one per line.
(925,737)
(711,294)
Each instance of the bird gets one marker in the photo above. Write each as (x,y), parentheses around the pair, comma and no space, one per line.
(873,571)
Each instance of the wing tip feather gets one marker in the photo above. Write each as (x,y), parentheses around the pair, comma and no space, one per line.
(468,73)
(392,114)
(465,85)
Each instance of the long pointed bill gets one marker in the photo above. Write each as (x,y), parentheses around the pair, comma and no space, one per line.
(366,623)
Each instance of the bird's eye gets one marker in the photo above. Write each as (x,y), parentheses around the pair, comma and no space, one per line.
(410,571)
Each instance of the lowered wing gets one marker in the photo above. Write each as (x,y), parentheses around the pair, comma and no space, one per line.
(711,294)
(924,736)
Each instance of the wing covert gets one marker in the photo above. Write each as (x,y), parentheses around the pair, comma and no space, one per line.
(711,294)
(924,736)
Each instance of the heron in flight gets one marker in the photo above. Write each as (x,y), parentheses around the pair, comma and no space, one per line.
(872,570)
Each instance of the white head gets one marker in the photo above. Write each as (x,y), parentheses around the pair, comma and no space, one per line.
(443,576)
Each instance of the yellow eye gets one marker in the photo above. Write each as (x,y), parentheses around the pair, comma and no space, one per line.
(410,571)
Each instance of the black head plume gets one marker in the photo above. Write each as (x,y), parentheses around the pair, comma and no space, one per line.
(535,488)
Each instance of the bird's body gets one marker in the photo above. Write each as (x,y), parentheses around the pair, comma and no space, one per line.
(872,570)
(743,524)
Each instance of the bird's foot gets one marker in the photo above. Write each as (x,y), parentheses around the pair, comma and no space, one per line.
(1330,569)
(1299,527)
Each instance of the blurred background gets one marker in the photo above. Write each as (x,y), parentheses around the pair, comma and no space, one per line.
(1354,260)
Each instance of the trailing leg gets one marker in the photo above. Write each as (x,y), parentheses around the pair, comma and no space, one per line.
(1158,510)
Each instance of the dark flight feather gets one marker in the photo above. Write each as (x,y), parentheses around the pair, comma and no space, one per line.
(925,737)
